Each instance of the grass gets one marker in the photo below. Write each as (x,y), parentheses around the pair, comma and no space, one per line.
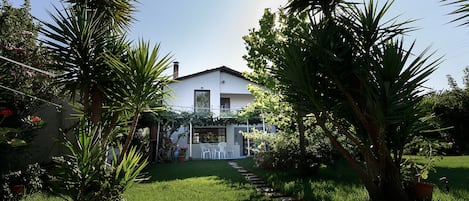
(456,169)
(341,182)
(191,180)
(194,180)
(216,180)
(337,183)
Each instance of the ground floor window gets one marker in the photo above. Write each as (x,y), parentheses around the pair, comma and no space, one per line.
(209,135)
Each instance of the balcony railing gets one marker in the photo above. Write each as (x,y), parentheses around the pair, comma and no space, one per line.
(215,111)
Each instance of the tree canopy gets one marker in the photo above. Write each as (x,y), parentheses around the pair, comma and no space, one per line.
(345,65)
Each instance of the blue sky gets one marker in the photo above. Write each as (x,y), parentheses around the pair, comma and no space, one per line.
(203,34)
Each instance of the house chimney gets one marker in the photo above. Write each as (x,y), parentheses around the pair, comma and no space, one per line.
(175,70)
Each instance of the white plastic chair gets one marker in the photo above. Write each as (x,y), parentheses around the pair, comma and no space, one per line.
(204,151)
(221,150)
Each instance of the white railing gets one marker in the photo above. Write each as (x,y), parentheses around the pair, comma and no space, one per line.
(215,111)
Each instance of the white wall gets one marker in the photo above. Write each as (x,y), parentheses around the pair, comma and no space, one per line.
(183,91)
(230,84)
(238,101)
(219,83)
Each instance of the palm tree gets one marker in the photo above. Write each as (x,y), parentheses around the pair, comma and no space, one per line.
(462,11)
(141,81)
(116,13)
(352,72)
(78,38)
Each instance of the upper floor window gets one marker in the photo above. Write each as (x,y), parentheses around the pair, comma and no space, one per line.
(202,101)
(224,105)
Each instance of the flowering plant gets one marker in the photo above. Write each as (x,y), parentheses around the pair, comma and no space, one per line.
(16,137)
(183,150)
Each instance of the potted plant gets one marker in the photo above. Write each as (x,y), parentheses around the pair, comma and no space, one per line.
(414,173)
(182,154)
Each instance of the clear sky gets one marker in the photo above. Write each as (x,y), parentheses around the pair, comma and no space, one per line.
(204,34)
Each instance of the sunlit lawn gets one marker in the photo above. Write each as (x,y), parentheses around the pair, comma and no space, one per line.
(341,183)
(191,180)
(194,180)
(216,180)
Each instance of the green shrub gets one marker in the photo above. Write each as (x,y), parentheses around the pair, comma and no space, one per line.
(84,173)
(31,178)
(282,151)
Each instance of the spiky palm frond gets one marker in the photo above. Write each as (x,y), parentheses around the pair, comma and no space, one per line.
(461,12)
(140,75)
(117,13)
(76,39)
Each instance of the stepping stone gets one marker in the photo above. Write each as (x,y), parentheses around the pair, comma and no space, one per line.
(258,182)
(253,178)
(262,186)
(285,199)
(275,195)
(242,171)
(265,189)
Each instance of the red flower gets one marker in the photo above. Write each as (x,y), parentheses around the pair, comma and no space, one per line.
(35,119)
(6,112)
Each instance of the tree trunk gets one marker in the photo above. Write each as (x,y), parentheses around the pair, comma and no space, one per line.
(86,96)
(384,181)
(130,136)
(301,131)
(96,105)
(381,178)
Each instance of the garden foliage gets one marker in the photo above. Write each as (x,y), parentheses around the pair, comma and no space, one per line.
(87,173)
(348,67)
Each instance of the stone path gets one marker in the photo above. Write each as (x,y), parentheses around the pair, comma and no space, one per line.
(260,184)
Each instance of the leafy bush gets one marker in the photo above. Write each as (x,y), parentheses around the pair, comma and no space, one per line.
(31,178)
(84,173)
(281,150)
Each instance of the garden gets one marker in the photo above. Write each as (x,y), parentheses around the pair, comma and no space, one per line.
(340,85)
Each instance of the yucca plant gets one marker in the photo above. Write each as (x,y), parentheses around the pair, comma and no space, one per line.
(84,173)
(343,63)
(141,81)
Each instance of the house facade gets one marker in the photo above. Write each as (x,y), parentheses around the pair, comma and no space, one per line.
(220,92)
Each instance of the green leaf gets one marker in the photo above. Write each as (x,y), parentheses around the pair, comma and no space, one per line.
(424,174)
(15,142)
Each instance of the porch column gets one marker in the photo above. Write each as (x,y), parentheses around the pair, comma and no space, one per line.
(157,151)
(247,130)
(190,140)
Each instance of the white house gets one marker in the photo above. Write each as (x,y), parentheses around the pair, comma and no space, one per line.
(220,91)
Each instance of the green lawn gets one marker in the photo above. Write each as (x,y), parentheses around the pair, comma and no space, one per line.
(194,180)
(341,183)
(191,180)
(216,180)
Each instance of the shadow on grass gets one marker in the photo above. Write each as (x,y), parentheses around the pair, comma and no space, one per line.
(458,181)
(330,183)
(341,182)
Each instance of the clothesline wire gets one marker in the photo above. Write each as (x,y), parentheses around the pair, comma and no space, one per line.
(27,66)
(32,68)
(31,96)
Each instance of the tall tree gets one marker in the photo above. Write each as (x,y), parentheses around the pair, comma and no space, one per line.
(341,63)
(141,81)
(18,42)
(78,39)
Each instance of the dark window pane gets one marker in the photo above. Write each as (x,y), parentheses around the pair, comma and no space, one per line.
(209,135)
(201,101)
